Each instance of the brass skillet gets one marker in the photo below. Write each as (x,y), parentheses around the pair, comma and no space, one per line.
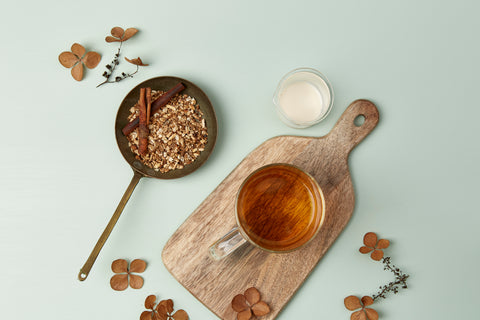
(139,169)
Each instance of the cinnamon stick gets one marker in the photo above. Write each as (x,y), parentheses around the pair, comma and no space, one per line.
(156,105)
(149,103)
(142,126)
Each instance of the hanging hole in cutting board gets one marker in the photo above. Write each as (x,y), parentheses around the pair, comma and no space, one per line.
(359,120)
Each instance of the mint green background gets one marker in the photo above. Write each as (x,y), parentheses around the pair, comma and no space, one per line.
(415,177)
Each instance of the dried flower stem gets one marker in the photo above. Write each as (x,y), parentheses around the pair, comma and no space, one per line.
(400,280)
(352,303)
(111,68)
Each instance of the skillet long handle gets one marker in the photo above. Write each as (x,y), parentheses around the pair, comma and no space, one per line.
(85,270)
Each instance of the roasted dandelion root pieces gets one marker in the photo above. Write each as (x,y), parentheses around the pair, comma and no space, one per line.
(156,106)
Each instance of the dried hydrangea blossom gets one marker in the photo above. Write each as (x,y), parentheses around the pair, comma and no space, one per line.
(374,246)
(353,303)
(162,311)
(249,304)
(77,58)
(124,274)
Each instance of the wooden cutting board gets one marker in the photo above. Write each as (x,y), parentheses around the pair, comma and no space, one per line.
(277,276)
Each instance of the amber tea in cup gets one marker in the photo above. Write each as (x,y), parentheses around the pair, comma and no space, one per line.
(279,208)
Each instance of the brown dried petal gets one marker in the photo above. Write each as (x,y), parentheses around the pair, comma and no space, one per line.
(162,311)
(77,71)
(111,39)
(252,295)
(365,249)
(119,282)
(117,32)
(137,61)
(239,303)
(150,301)
(358,315)
(169,305)
(78,50)
(138,266)
(383,244)
(146,315)
(370,239)
(377,255)
(165,307)
(120,266)
(136,282)
(244,315)
(260,309)
(91,59)
(367,301)
(67,59)
(130,32)
(180,315)
(157,316)
(371,314)
(352,303)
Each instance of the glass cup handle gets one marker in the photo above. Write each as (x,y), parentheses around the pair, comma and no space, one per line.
(227,244)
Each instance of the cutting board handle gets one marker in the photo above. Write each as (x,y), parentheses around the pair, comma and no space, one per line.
(356,122)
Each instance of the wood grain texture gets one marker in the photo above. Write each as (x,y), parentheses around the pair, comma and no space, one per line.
(277,276)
